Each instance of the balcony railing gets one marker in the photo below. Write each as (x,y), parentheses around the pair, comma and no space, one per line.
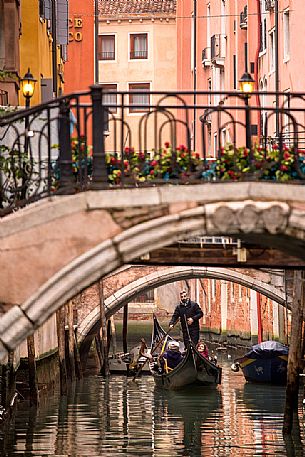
(61,147)
(109,55)
(138,54)
(218,49)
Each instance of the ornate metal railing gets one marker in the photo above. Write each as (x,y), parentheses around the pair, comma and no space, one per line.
(80,142)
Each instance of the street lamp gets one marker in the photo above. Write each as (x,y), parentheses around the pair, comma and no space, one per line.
(28,87)
(247,86)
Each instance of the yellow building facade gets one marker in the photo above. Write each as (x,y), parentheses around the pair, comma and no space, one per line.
(36,52)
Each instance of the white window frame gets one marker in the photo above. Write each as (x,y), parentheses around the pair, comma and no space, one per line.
(272,51)
(263,51)
(139,113)
(111,84)
(115,48)
(129,47)
(286,35)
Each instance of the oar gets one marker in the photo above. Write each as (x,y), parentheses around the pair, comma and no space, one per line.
(152,351)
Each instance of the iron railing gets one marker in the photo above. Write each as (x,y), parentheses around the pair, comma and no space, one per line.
(143,54)
(77,142)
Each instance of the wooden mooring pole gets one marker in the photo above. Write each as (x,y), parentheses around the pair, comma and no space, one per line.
(125,324)
(71,340)
(32,370)
(295,356)
(103,333)
(60,323)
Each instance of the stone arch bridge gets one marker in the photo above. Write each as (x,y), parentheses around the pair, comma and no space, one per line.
(52,250)
(126,283)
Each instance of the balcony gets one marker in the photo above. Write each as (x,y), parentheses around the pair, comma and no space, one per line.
(218,49)
(243,21)
(139,54)
(106,55)
(269,5)
(206,57)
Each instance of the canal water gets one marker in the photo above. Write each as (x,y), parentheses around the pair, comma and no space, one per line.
(122,417)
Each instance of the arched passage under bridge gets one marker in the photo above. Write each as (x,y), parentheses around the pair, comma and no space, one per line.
(90,324)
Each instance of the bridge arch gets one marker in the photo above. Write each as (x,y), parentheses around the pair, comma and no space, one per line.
(246,210)
(168,275)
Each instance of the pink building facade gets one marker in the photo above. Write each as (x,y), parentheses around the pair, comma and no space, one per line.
(219,40)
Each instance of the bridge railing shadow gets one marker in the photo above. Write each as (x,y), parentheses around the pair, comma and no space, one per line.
(98,139)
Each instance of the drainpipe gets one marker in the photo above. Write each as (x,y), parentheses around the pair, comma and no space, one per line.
(276,62)
(195,70)
(259,318)
(259,40)
(96,69)
(54,48)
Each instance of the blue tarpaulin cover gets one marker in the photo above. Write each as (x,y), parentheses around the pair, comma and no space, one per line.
(266,350)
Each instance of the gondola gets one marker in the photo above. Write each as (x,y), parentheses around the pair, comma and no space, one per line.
(193,369)
(266,363)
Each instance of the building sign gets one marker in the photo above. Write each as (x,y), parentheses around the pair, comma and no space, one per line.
(75,29)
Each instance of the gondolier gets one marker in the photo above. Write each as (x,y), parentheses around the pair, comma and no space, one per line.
(189,313)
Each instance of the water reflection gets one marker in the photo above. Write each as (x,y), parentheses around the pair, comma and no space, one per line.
(121,417)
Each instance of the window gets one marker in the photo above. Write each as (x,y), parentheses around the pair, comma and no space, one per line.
(138,46)
(110,97)
(286,35)
(263,28)
(272,51)
(234,72)
(106,47)
(215,145)
(139,101)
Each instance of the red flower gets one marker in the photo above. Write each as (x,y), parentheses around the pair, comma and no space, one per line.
(274,147)
(181,147)
(127,150)
(154,163)
(166,144)
(126,163)
(152,172)
(113,160)
(286,155)
(284,167)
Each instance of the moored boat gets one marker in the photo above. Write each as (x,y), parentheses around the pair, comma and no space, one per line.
(266,363)
(193,369)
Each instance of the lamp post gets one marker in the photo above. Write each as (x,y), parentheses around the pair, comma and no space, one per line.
(247,86)
(28,87)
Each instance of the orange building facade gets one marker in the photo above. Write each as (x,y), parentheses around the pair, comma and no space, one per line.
(79,69)
(218,41)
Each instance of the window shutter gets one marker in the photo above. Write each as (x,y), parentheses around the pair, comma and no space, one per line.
(62,21)
(47,9)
